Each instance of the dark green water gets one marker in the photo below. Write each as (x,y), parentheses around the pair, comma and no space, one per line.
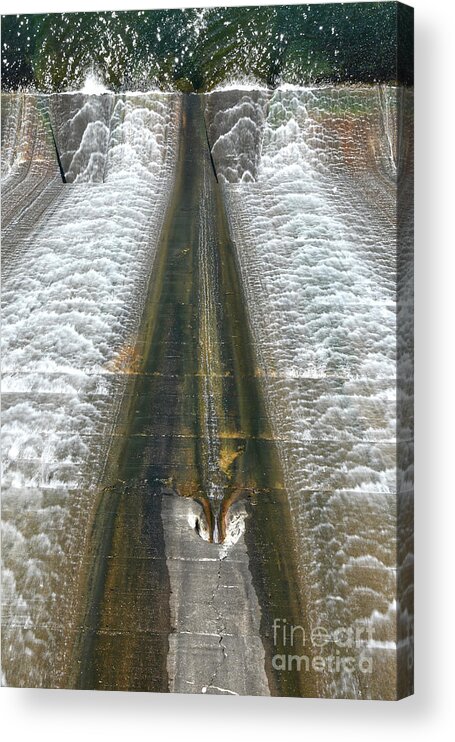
(195,49)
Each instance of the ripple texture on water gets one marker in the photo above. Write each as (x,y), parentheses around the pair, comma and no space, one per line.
(310,181)
(71,309)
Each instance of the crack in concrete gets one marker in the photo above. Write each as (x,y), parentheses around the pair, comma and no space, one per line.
(221,625)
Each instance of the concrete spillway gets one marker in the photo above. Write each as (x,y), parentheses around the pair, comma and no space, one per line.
(202,436)
(196,460)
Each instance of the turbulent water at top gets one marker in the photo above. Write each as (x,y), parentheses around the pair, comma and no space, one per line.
(77,262)
(310,178)
(198,49)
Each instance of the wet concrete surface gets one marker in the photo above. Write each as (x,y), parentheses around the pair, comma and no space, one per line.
(191,554)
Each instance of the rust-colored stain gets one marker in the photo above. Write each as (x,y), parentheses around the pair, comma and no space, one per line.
(126,361)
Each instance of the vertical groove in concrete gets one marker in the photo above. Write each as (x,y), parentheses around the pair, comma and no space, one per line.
(198,450)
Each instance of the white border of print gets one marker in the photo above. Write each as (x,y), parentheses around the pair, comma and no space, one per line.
(78,715)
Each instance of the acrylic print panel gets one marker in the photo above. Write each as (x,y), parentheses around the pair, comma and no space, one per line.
(207,350)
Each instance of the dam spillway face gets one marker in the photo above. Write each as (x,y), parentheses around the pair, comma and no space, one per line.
(207,390)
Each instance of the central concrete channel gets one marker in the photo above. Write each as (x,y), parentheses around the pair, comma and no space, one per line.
(191,554)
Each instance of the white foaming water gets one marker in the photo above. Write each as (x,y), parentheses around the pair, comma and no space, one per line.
(71,311)
(310,184)
(31,181)
(247,83)
(93,85)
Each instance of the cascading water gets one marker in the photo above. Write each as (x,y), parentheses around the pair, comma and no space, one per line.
(71,310)
(31,182)
(309,181)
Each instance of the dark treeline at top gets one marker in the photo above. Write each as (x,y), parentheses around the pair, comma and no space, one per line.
(195,50)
